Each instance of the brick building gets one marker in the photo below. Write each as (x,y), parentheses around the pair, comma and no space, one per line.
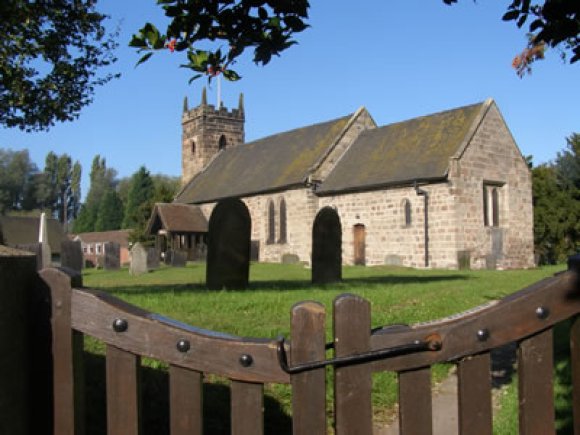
(446,190)
(93,246)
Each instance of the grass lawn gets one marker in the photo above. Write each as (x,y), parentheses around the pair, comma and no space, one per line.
(397,295)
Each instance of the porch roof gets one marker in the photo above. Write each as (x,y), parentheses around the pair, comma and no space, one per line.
(177,218)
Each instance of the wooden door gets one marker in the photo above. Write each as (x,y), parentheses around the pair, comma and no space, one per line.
(359,244)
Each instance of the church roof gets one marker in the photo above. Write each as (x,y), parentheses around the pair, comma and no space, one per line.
(273,163)
(180,218)
(415,150)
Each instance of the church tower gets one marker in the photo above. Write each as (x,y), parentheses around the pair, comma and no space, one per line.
(206,131)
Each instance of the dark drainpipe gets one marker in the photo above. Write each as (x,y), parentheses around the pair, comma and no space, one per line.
(425,194)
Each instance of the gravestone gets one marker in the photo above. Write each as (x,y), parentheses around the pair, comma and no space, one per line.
(393,260)
(464,260)
(178,258)
(71,255)
(112,256)
(138,264)
(228,251)
(326,247)
(492,259)
(290,259)
(152,259)
(255,250)
(168,255)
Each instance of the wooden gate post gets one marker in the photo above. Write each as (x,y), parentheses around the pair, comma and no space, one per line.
(574,265)
(17,272)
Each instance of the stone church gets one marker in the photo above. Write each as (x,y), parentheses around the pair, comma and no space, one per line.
(447,190)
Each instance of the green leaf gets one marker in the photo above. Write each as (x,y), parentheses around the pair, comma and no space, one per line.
(195,77)
(536,24)
(511,15)
(262,13)
(231,75)
(144,59)
(522,20)
(295,23)
(137,41)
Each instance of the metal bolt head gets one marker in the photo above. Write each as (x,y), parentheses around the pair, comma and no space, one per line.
(542,313)
(120,325)
(483,334)
(246,360)
(183,345)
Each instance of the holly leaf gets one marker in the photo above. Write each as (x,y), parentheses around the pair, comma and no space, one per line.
(231,75)
(511,15)
(144,58)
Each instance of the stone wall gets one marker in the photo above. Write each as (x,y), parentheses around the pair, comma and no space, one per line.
(492,158)
(388,239)
(456,225)
(203,126)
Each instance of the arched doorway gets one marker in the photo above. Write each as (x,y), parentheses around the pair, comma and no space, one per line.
(326,247)
(359,243)
(228,251)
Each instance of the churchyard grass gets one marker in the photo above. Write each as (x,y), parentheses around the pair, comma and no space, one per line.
(397,295)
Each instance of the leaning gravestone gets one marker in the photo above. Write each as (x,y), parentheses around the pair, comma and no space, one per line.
(138,260)
(326,247)
(71,255)
(112,256)
(228,251)
(152,259)
(178,258)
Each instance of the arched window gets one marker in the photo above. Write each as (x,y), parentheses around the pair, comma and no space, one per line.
(495,207)
(491,204)
(192,147)
(282,238)
(222,142)
(271,223)
(407,213)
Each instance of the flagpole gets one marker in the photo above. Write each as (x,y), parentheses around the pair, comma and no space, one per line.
(219,92)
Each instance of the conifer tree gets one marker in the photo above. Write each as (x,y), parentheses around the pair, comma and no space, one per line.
(102,180)
(139,203)
(110,215)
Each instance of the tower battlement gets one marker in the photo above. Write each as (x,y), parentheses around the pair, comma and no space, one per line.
(206,131)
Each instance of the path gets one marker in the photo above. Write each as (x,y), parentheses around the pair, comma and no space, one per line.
(445,394)
(444,411)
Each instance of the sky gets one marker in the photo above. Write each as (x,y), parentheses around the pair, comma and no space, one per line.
(398,58)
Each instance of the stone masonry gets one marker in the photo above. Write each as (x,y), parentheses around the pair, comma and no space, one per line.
(205,131)
(489,160)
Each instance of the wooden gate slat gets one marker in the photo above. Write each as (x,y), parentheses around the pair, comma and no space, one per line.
(122,392)
(308,388)
(67,345)
(536,391)
(415,407)
(575,366)
(247,407)
(474,395)
(186,401)
(352,384)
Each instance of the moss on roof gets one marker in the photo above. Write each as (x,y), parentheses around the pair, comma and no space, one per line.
(418,149)
(268,164)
